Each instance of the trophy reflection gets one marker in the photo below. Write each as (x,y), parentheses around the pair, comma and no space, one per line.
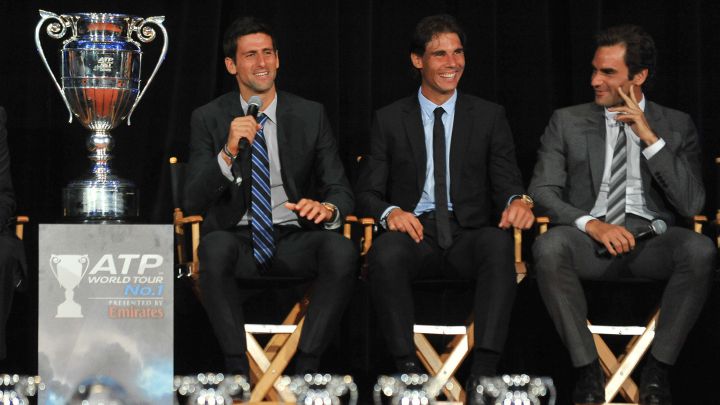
(69,270)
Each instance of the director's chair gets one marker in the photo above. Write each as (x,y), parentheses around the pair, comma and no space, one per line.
(442,365)
(618,369)
(268,362)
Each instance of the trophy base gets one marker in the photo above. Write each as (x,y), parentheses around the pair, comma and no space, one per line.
(92,200)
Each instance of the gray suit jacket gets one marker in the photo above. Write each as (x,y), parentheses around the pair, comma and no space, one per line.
(571,160)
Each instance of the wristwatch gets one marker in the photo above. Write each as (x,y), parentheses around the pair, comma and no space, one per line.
(527,199)
(332,208)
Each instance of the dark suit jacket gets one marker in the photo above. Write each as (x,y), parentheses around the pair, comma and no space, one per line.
(571,161)
(311,166)
(483,169)
(7,195)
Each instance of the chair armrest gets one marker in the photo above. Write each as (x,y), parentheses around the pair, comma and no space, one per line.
(20,222)
(542,224)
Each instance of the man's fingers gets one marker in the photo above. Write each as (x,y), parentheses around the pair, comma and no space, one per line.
(417,228)
(504,224)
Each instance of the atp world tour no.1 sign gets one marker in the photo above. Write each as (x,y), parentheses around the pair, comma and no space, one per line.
(105,311)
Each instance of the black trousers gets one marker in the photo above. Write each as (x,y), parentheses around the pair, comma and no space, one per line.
(565,255)
(484,255)
(10,275)
(226,259)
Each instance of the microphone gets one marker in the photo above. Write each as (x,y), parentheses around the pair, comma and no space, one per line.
(254,105)
(656,227)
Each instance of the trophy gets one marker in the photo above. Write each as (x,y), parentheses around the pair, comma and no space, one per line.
(512,389)
(405,389)
(18,389)
(211,389)
(100,73)
(325,389)
(69,270)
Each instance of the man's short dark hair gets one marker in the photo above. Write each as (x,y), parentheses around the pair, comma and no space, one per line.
(433,25)
(640,50)
(244,26)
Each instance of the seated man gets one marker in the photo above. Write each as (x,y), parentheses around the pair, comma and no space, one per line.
(604,171)
(441,169)
(12,254)
(252,179)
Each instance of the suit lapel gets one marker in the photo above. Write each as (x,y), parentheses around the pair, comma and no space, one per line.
(285,120)
(412,121)
(594,130)
(461,134)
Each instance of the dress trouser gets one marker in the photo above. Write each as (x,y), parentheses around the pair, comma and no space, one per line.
(565,255)
(484,255)
(226,259)
(10,274)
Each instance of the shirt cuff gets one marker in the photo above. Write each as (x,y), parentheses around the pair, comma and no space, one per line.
(226,170)
(581,222)
(383,217)
(336,220)
(512,197)
(653,149)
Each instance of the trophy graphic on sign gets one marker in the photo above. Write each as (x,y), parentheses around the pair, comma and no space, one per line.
(69,270)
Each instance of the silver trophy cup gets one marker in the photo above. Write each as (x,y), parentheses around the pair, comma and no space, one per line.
(100,64)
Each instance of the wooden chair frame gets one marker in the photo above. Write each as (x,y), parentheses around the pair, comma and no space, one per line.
(618,369)
(443,365)
(267,363)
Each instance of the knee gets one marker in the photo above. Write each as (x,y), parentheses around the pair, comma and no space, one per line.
(701,252)
(549,248)
(342,255)
(389,254)
(217,251)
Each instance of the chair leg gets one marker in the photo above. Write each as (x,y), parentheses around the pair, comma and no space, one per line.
(610,365)
(444,367)
(631,359)
(276,368)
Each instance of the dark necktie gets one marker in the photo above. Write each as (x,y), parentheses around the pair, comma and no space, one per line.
(618,181)
(261,223)
(442,215)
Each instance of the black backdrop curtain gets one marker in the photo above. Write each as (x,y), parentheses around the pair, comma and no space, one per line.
(352,56)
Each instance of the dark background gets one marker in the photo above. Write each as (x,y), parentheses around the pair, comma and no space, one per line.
(530,56)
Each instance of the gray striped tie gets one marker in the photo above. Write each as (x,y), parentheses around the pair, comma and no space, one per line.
(618,180)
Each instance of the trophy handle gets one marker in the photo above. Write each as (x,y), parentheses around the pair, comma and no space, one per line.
(54,260)
(146,33)
(56,30)
(85,261)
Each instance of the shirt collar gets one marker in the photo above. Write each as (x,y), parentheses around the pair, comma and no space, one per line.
(610,116)
(428,107)
(270,111)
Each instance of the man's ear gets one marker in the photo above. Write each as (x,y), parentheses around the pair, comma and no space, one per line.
(416,60)
(640,77)
(230,66)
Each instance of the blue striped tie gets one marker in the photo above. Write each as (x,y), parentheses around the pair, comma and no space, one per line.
(261,222)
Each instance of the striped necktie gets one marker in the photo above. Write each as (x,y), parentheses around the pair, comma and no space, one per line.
(261,223)
(618,181)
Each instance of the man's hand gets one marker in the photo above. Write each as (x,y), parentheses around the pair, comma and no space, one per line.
(311,210)
(518,214)
(631,114)
(403,221)
(617,239)
(241,127)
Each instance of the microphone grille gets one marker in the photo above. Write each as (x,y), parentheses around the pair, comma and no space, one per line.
(255,100)
(658,226)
